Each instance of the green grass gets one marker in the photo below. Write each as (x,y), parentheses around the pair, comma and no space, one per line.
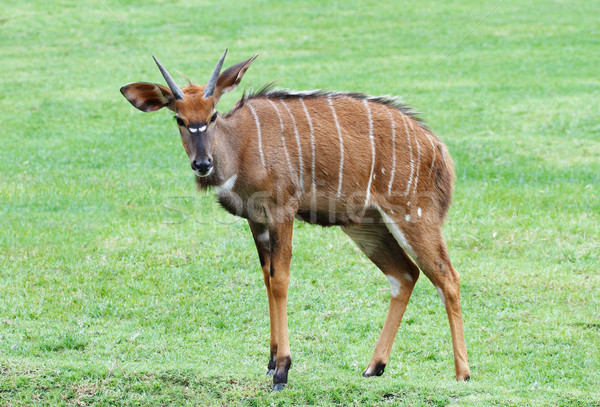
(119,284)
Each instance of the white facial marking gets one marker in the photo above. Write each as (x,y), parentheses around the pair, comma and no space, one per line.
(408,277)
(312,147)
(285,150)
(227,185)
(393,151)
(204,175)
(339,131)
(193,129)
(203,128)
(372,139)
(300,163)
(419,212)
(260,148)
(395,285)
(441,295)
(410,152)
(396,232)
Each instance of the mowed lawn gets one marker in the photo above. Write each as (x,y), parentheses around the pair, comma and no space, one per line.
(121,285)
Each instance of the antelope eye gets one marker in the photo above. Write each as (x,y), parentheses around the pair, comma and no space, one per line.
(214,117)
(179,121)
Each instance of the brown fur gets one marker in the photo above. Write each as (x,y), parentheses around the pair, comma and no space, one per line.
(379,173)
(436,183)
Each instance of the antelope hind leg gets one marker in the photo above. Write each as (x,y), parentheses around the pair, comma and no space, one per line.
(432,258)
(382,249)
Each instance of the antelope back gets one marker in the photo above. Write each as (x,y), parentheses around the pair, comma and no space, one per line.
(334,155)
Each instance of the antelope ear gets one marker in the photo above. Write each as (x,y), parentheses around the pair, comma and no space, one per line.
(148,97)
(232,76)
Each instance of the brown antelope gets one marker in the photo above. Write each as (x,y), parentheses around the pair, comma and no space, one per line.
(364,163)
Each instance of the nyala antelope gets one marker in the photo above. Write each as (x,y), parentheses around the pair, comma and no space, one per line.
(366,164)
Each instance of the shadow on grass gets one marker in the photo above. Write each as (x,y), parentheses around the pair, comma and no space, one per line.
(587,325)
(73,386)
(67,342)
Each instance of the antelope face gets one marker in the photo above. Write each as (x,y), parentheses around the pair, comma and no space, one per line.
(194,108)
(197,128)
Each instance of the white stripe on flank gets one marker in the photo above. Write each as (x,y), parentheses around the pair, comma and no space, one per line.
(410,150)
(300,163)
(433,147)
(285,150)
(371,176)
(337,125)
(260,149)
(312,147)
(418,156)
(389,111)
(397,233)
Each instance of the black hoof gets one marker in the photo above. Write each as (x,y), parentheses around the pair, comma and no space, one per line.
(278,386)
(378,371)
(271,365)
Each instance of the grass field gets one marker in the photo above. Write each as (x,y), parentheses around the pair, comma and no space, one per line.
(120,285)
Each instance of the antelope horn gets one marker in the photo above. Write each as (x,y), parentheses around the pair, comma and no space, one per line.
(209,89)
(172,85)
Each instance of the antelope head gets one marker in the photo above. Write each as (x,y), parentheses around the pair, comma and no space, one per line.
(194,108)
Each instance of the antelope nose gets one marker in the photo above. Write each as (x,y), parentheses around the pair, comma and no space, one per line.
(202,166)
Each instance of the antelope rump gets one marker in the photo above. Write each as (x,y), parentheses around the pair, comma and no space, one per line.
(366,164)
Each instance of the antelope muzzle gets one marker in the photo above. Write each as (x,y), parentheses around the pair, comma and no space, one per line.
(203,167)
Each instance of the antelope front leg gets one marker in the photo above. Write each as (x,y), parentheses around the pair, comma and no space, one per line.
(260,233)
(281,255)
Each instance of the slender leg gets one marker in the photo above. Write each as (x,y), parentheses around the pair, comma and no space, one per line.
(381,248)
(432,257)
(402,284)
(261,239)
(281,256)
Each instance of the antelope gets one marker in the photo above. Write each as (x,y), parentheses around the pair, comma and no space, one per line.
(366,164)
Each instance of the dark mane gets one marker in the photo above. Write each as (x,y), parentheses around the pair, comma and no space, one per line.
(271,91)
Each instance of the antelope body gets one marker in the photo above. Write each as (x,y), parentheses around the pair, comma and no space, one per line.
(360,162)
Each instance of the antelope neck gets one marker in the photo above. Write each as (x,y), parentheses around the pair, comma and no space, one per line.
(226,148)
